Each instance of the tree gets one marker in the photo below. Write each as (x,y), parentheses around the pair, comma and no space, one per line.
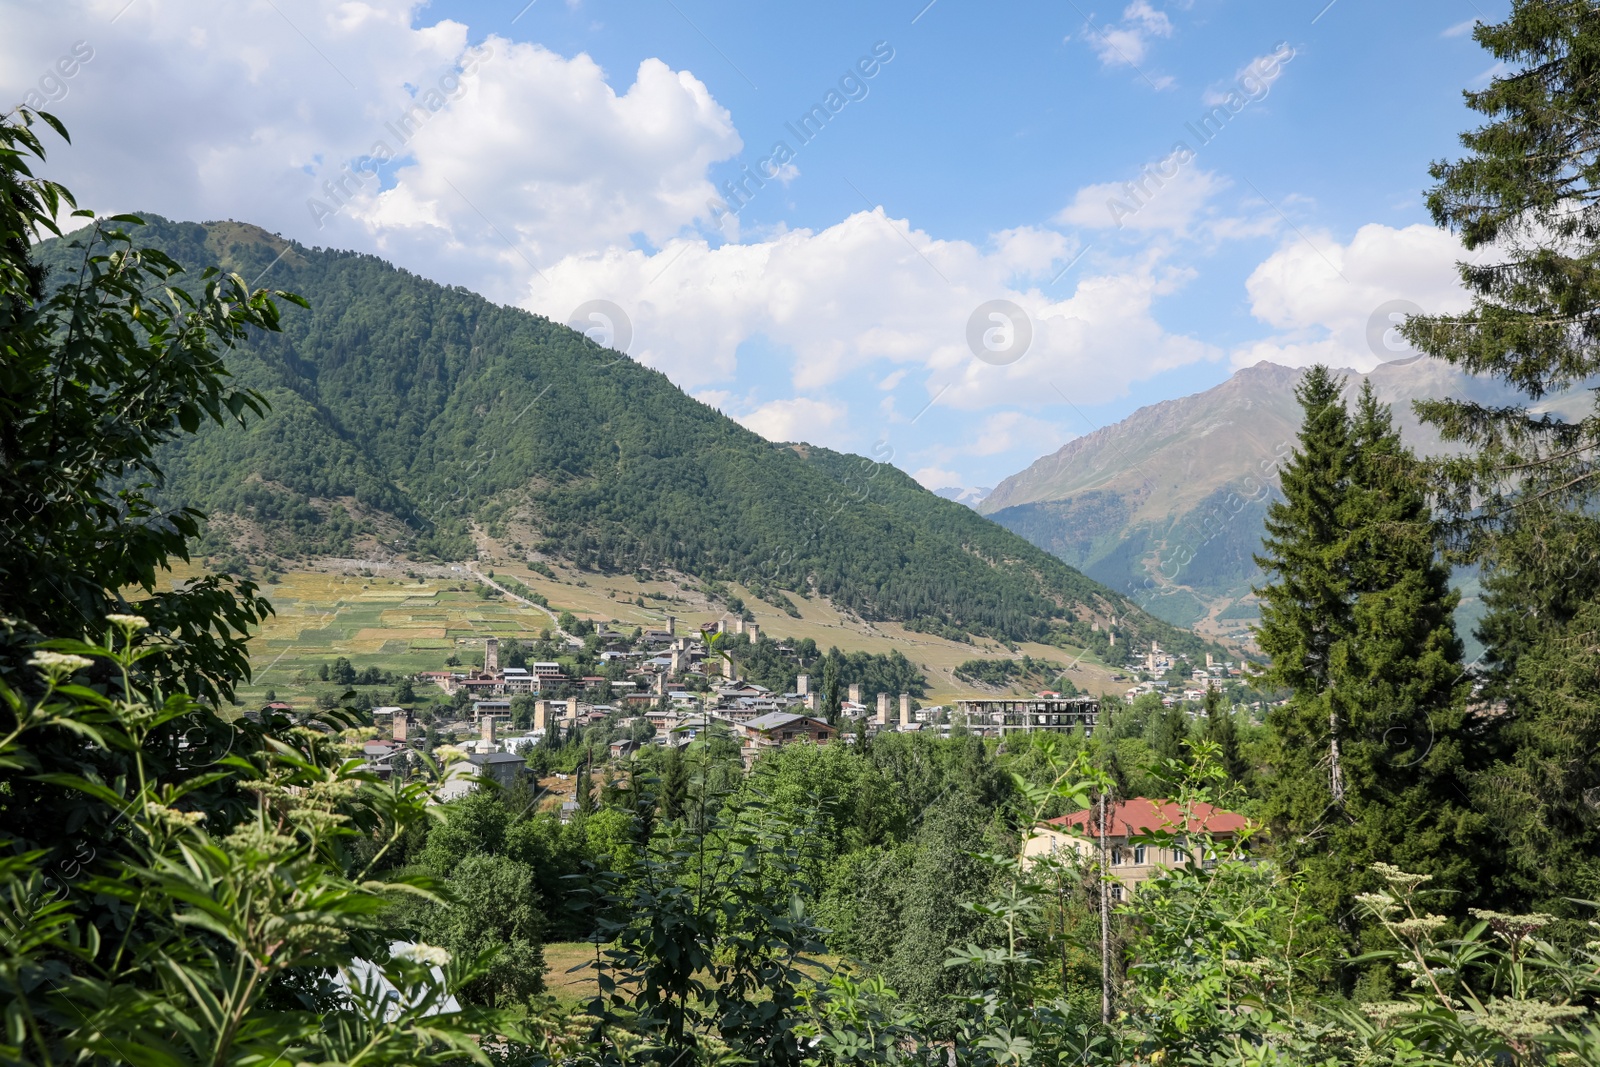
(126,800)
(1526,198)
(830,691)
(1369,763)
(674,784)
(496,907)
(1168,731)
(585,790)
(1223,732)
(405,692)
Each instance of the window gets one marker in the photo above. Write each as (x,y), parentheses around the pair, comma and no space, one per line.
(1116,857)
(1138,853)
(1179,855)
(1116,892)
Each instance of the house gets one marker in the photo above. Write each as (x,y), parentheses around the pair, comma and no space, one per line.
(1131,860)
(464,777)
(518,680)
(624,747)
(778,728)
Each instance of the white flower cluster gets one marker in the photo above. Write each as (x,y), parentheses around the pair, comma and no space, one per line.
(128,622)
(432,955)
(60,662)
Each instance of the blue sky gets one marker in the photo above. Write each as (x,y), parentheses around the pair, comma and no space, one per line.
(582,154)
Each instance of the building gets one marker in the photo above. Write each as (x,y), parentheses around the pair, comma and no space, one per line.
(1131,860)
(464,777)
(779,728)
(1000,716)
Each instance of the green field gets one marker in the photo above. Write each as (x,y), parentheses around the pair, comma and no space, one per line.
(408,624)
(397,624)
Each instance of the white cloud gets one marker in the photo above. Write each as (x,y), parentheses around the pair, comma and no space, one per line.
(511,155)
(1127,43)
(937,478)
(796,419)
(873,290)
(527,175)
(1169,196)
(557,161)
(1325,318)
(1460,28)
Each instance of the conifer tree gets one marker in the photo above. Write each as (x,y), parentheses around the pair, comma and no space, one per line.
(1223,732)
(585,790)
(1525,199)
(674,784)
(1369,762)
(1305,610)
(1168,732)
(830,690)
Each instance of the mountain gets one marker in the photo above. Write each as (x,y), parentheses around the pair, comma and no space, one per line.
(1167,505)
(409,417)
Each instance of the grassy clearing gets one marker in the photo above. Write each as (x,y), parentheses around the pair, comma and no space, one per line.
(578,987)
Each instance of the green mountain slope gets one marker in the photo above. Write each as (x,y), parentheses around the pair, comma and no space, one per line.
(406,413)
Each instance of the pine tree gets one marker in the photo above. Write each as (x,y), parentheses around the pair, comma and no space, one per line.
(1526,199)
(1369,761)
(585,790)
(1167,735)
(1305,610)
(1223,732)
(830,690)
(674,784)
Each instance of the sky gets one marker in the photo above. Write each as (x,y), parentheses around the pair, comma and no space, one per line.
(952,235)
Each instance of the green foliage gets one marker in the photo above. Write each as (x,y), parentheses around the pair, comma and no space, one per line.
(1371,762)
(764,663)
(1004,673)
(110,331)
(1522,492)
(264,938)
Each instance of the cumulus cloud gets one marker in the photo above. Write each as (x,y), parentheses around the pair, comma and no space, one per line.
(1321,296)
(499,155)
(873,290)
(536,177)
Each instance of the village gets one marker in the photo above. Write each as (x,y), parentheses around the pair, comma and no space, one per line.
(670,689)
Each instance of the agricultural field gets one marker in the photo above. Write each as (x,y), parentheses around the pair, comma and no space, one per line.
(377,615)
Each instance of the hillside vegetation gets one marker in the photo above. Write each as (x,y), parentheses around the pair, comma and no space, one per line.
(406,415)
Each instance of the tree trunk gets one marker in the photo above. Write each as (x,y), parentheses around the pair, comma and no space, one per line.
(1333,756)
(1105,918)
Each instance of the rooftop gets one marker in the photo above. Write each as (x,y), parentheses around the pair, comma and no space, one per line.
(1141,815)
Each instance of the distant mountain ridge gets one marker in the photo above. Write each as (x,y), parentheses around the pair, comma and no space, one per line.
(1167,505)
(409,417)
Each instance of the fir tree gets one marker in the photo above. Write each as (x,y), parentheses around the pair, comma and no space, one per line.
(674,784)
(1168,732)
(1304,608)
(1369,761)
(1223,732)
(830,690)
(1526,199)
(585,791)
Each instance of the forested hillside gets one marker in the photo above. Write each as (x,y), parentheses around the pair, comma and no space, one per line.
(404,412)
